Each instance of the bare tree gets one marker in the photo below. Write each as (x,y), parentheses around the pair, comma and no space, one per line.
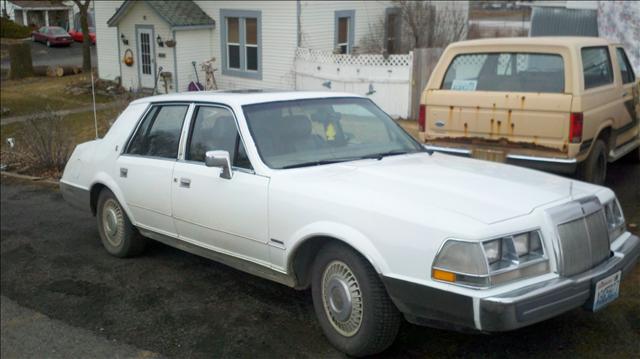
(433,25)
(86,40)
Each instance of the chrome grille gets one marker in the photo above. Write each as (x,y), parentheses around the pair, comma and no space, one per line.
(583,240)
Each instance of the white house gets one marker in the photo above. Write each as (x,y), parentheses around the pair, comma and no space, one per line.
(38,13)
(254,42)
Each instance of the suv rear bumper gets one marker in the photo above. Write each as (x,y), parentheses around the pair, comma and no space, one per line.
(524,306)
(551,164)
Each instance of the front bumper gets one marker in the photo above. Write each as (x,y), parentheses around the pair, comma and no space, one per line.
(515,309)
(551,164)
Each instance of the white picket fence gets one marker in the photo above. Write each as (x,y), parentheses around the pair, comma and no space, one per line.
(386,81)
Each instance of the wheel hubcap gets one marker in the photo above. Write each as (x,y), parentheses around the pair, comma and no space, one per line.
(112,222)
(342,298)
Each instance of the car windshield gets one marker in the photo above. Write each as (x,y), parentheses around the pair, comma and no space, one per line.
(310,132)
(57,31)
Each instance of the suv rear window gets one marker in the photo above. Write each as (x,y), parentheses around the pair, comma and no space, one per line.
(506,71)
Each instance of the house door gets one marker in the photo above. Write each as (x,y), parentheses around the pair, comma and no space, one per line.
(146,54)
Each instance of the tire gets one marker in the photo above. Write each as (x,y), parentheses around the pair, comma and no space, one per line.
(48,43)
(594,168)
(366,331)
(119,237)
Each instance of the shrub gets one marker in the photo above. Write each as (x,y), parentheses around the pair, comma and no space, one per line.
(11,30)
(43,145)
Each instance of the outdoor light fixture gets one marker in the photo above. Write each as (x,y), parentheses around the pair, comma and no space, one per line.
(124,39)
(159,41)
(371,90)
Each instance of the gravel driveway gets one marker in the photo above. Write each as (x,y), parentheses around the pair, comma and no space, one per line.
(179,305)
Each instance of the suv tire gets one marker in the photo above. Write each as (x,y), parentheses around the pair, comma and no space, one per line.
(351,303)
(594,168)
(119,237)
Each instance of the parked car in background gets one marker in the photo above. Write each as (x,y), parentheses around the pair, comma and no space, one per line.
(325,190)
(77,35)
(563,104)
(52,36)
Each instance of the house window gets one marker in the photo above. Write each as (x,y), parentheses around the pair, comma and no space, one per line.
(241,43)
(392,30)
(344,31)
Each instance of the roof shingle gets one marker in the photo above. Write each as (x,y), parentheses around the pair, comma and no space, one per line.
(176,13)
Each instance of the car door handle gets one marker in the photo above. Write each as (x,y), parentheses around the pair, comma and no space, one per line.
(185,182)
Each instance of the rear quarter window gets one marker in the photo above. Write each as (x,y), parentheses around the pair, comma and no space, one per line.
(506,72)
(596,67)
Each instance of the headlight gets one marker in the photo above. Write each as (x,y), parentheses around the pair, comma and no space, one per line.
(615,219)
(491,262)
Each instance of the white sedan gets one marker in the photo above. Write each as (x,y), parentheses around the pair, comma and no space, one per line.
(325,190)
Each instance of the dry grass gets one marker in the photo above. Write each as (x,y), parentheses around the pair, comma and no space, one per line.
(33,95)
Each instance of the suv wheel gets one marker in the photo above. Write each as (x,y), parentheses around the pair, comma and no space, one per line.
(351,303)
(594,168)
(118,235)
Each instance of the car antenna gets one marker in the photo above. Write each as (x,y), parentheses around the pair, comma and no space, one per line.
(93,95)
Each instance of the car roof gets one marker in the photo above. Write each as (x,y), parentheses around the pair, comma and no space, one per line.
(243,97)
(564,41)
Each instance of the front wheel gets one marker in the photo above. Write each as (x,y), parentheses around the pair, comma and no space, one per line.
(351,303)
(118,235)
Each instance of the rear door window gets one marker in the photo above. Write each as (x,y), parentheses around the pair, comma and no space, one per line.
(159,133)
(625,67)
(506,72)
(596,67)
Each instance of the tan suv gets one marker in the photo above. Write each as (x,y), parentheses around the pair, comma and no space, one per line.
(562,104)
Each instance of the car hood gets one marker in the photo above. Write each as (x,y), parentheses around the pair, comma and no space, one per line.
(485,191)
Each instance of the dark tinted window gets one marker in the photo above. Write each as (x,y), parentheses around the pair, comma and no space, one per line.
(596,66)
(214,128)
(625,67)
(508,71)
(159,132)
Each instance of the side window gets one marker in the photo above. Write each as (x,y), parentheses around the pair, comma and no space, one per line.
(214,128)
(241,43)
(596,67)
(159,133)
(625,67)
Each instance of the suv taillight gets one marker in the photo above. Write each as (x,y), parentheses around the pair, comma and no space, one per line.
(422,117)
(575,127)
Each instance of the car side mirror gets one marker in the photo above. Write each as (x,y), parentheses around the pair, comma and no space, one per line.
(219,159)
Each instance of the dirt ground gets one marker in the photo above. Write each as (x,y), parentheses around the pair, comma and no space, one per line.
(178,305)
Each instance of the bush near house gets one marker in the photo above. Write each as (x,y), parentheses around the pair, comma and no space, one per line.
(11,30)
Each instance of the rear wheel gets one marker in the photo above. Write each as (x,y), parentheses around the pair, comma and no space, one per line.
(351,303)
(594,168)
(118,235)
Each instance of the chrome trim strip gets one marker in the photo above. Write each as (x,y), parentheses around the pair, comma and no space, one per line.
(459,151)
(226,259)
(542,159)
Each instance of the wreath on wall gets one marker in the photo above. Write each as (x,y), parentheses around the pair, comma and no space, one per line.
(128,57)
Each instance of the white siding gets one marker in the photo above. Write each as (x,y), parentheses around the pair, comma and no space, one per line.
(193,45)
(317,21)
(107,40)
(141,14)
(278,43)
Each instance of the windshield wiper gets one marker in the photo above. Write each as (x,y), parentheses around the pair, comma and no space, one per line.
(381,155)
(317,163)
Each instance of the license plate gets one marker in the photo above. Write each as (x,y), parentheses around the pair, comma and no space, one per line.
(607,290)
(488,155)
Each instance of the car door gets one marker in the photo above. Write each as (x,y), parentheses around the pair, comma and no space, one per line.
(629,116)
(225,215)
(144,170)
(41,34)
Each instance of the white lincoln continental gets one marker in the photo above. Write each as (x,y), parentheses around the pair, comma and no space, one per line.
(325,190)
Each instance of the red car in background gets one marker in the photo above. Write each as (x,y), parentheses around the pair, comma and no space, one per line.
(77,35)
(52,36)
